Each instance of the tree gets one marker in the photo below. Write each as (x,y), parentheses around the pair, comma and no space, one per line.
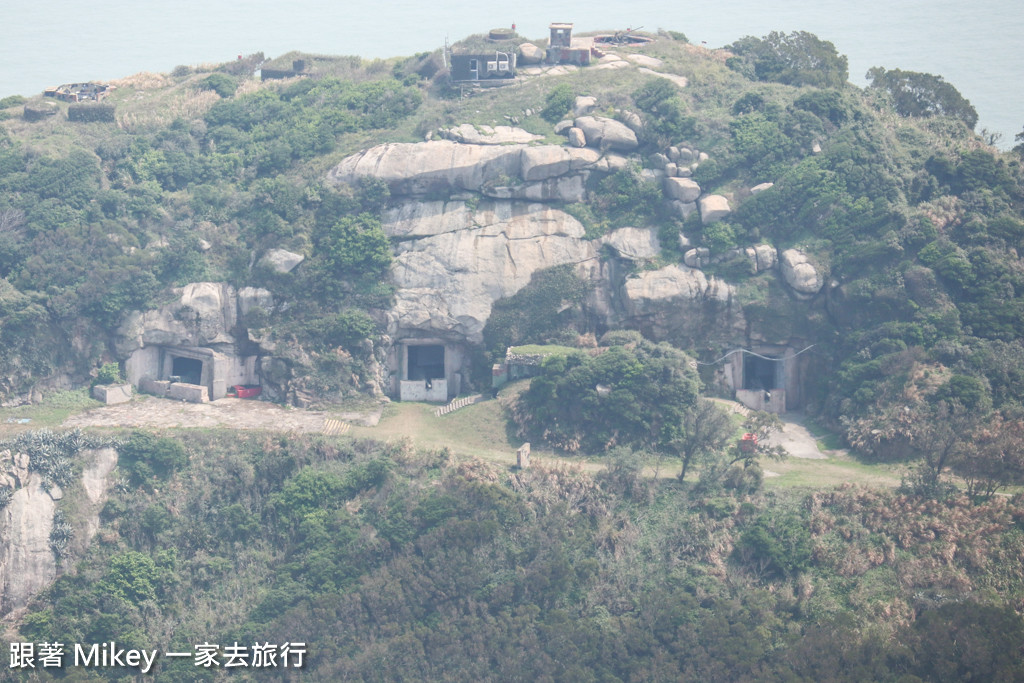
(776,545)
(798,58)
(668,120)
(993,457)
(921,94)
(634,395)
(705,434)
(743,458)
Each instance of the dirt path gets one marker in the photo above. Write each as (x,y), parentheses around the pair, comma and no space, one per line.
(796,438)
(225,413)
(476,431)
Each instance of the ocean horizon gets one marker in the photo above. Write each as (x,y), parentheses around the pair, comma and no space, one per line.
(974,46)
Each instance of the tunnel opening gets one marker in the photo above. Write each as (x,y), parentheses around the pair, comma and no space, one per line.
(190,370)
(762,374)
(426,362)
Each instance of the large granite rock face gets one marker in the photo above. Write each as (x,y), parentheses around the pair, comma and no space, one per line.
(499,171)
(680,303)
(800,274)
(634,244)
(607,133)
(487,135)
(204,315)
(27,563)
(454,263)
(426,167)
(454,260)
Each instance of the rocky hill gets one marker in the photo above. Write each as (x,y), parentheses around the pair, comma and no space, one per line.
(380,231)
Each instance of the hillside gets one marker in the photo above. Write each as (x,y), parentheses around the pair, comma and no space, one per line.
(635,226)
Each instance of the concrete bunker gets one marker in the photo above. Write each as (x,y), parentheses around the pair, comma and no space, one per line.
(198,366)
(767,378)
(427,370)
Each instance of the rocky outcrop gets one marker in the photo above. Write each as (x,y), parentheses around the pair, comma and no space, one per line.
(583,105)
(27,560)
(697,258)
(282,260)
(542,163)
(762,257)
(486,135)
(462,261)
(679,303)
(27,564)
(535,173)
(713,207)
(606,133)
(204,315)
(96,479)
(683,189)
(435,166)
(634,244)
(800,274)
(531,54)
(252,298)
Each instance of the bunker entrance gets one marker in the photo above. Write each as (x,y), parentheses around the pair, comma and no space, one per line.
(189,369)
(426,362)
(760,374)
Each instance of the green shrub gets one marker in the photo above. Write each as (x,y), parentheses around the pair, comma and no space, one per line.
(109,373)
(222,84)
(558,103)
(776,545)
(719,237)
(12,101)
(145,456)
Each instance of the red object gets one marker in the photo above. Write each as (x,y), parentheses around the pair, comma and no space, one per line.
(243,391)
(748,443)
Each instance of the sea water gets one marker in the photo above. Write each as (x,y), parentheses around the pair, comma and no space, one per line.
(976,46)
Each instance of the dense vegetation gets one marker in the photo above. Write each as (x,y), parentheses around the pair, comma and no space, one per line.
(392,565)
(397,565)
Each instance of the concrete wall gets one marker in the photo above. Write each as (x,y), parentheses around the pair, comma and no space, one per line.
(144,362)
(242,370)
(193,393)
(755,399)
(112,393)
(454,360)
(219,370)
(789,396)
(417,391)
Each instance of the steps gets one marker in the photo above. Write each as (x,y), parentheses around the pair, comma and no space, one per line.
(332,427)
(458,403)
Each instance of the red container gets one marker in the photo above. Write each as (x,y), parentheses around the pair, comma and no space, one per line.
(243,391)
(748,444)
